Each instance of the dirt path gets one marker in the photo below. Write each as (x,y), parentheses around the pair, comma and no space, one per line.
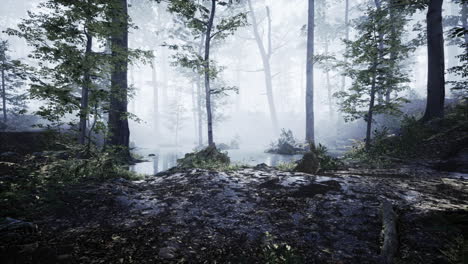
(197,215)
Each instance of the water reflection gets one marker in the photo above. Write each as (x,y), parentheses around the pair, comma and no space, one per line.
(166,158)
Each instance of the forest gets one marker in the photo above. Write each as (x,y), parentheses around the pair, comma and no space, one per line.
(234,131)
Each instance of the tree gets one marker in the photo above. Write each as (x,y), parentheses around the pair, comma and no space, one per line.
(202,21)
(372,67)
(310,74)
(346,25)
(13,74)
(119,132)
(176,115)
(265,53)
(436,64)
(460,34)
(62,38)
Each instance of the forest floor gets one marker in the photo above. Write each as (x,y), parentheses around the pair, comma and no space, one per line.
(250,215)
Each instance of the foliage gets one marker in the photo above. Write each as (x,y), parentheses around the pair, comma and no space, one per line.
(38,177)
(286,144)
(60,33)
(411,141)
(208,158)
(458,35)
(326,161)
(191,38)
(286,166)
(376,65)
(15,74)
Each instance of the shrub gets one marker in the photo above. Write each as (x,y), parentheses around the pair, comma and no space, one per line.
(208,158)
(286,144)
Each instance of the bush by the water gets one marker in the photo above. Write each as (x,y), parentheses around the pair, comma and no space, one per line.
(317,159)
(287,144)
(208,158)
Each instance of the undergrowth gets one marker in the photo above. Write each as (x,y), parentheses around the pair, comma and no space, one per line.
(29,181)
(413,140)
(279,253)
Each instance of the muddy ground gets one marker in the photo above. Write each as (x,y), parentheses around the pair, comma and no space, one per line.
(197,216)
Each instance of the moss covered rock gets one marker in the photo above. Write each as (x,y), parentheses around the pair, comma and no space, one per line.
(210,157)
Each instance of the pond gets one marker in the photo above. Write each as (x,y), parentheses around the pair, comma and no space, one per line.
(165,158)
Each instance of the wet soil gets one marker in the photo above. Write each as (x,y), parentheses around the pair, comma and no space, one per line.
(196,216)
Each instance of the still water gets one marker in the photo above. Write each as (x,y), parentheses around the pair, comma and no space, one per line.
(166,158)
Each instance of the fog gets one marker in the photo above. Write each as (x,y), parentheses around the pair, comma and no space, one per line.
(244,114)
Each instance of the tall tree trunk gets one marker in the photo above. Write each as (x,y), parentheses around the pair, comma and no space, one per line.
(85,93)
(266,57)
(207,72)
(193,92)
(199,111)
(4,104)
(370,111)
(164,78)
(374,90)
(436,67)
(310,135)
(395,19)
(329,89)
(119,132)
(133,89)
(154,82)
(200,96)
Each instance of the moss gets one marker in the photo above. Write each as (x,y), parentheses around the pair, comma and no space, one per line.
(208,158)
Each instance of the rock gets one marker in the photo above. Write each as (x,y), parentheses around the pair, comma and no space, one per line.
(308,164)
(263,167)
(152,155)
(167,253)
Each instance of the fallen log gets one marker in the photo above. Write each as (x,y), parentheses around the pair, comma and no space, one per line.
(389,232)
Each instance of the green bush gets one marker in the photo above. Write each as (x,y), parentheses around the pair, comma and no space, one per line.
(326,161)
(209,158)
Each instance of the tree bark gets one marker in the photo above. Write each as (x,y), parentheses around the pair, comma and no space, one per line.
(310,135)
(119,132)
(370,111)
(200,97)
(133,90)
(435,53)
(193,92)
(85,93)
(374,90)
(207,72)
(266,57)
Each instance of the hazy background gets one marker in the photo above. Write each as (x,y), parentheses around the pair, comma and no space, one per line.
(244,114)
